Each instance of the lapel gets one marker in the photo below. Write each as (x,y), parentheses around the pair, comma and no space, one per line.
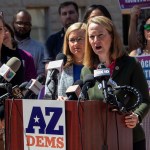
(69,75)
(120,63)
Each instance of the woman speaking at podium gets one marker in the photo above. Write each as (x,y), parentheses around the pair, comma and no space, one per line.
(103,45)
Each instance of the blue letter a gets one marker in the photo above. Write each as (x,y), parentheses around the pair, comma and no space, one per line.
(36,120)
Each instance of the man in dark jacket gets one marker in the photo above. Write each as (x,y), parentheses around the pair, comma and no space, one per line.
(68,12)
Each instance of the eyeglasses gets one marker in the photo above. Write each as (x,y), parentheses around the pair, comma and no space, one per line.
(78,40)
(147,27)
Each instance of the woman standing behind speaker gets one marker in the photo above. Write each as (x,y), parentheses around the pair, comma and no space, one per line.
(73,48)
(5,55)
(28,62)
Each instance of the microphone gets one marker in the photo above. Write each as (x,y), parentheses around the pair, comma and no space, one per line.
(14,92)
(114,94)
(102,75)
(54,67)
(34,86)
(17,93)
(8,70)
(88,82)
(74,91)
(57,65)
(23,85)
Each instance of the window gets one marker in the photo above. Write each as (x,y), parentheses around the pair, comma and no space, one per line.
(39,27)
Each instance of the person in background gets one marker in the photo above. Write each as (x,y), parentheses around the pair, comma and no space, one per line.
(28,62)
(96,10)
(5,55)
(74,47)
(68,12)
(103,45)
(22,27)
(144,43)
(144,50)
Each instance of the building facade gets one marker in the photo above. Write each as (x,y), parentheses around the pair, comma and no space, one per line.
(45,18)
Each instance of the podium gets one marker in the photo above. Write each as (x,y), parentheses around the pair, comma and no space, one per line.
(87,126)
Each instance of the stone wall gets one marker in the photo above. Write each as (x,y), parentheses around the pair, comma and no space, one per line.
(9,7)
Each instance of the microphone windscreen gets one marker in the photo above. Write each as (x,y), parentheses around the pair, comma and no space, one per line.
(78,82)
(23,85)
(14,63)
(89,78)
(41,78)
(62,56)
(101,66)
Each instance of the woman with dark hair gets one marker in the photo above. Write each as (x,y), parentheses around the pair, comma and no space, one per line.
(143,52)
(28,62)
(5,55)
(144,41)
(96,10)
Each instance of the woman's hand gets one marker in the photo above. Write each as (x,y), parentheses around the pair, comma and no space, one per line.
(131,120)
(135,12)
(62,98)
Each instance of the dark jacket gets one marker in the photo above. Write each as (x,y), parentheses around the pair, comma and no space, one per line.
(6,54)
(128,71)
(54,45)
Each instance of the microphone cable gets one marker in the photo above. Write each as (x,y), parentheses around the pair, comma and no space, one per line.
(123,108)
(9,125)
(117,130)
(80,124)
(105,146)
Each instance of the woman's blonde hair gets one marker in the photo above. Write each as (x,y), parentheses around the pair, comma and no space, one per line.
(66,50)
(116,49)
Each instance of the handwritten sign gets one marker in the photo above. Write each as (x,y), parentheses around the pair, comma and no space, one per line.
(145,63)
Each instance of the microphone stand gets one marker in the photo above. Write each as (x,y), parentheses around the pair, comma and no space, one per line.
(104,87)
(105,92)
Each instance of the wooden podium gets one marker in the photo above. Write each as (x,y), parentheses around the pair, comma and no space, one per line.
(85,126)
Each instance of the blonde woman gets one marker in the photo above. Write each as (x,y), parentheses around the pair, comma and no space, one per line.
(73,48)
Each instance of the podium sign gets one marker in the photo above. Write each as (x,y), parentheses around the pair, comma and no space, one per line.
(87,126)
(43,125)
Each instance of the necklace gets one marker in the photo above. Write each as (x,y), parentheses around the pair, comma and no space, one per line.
(80,60)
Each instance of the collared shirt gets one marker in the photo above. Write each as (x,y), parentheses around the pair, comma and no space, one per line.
(36,49)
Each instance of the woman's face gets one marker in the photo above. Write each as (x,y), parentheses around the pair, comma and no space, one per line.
(1,32)
(147,32)
(100,41)
(94,13)
(7,38)
(76,43)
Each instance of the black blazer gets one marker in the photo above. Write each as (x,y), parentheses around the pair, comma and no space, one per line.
(54,45)
(128,71)
(6,54)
